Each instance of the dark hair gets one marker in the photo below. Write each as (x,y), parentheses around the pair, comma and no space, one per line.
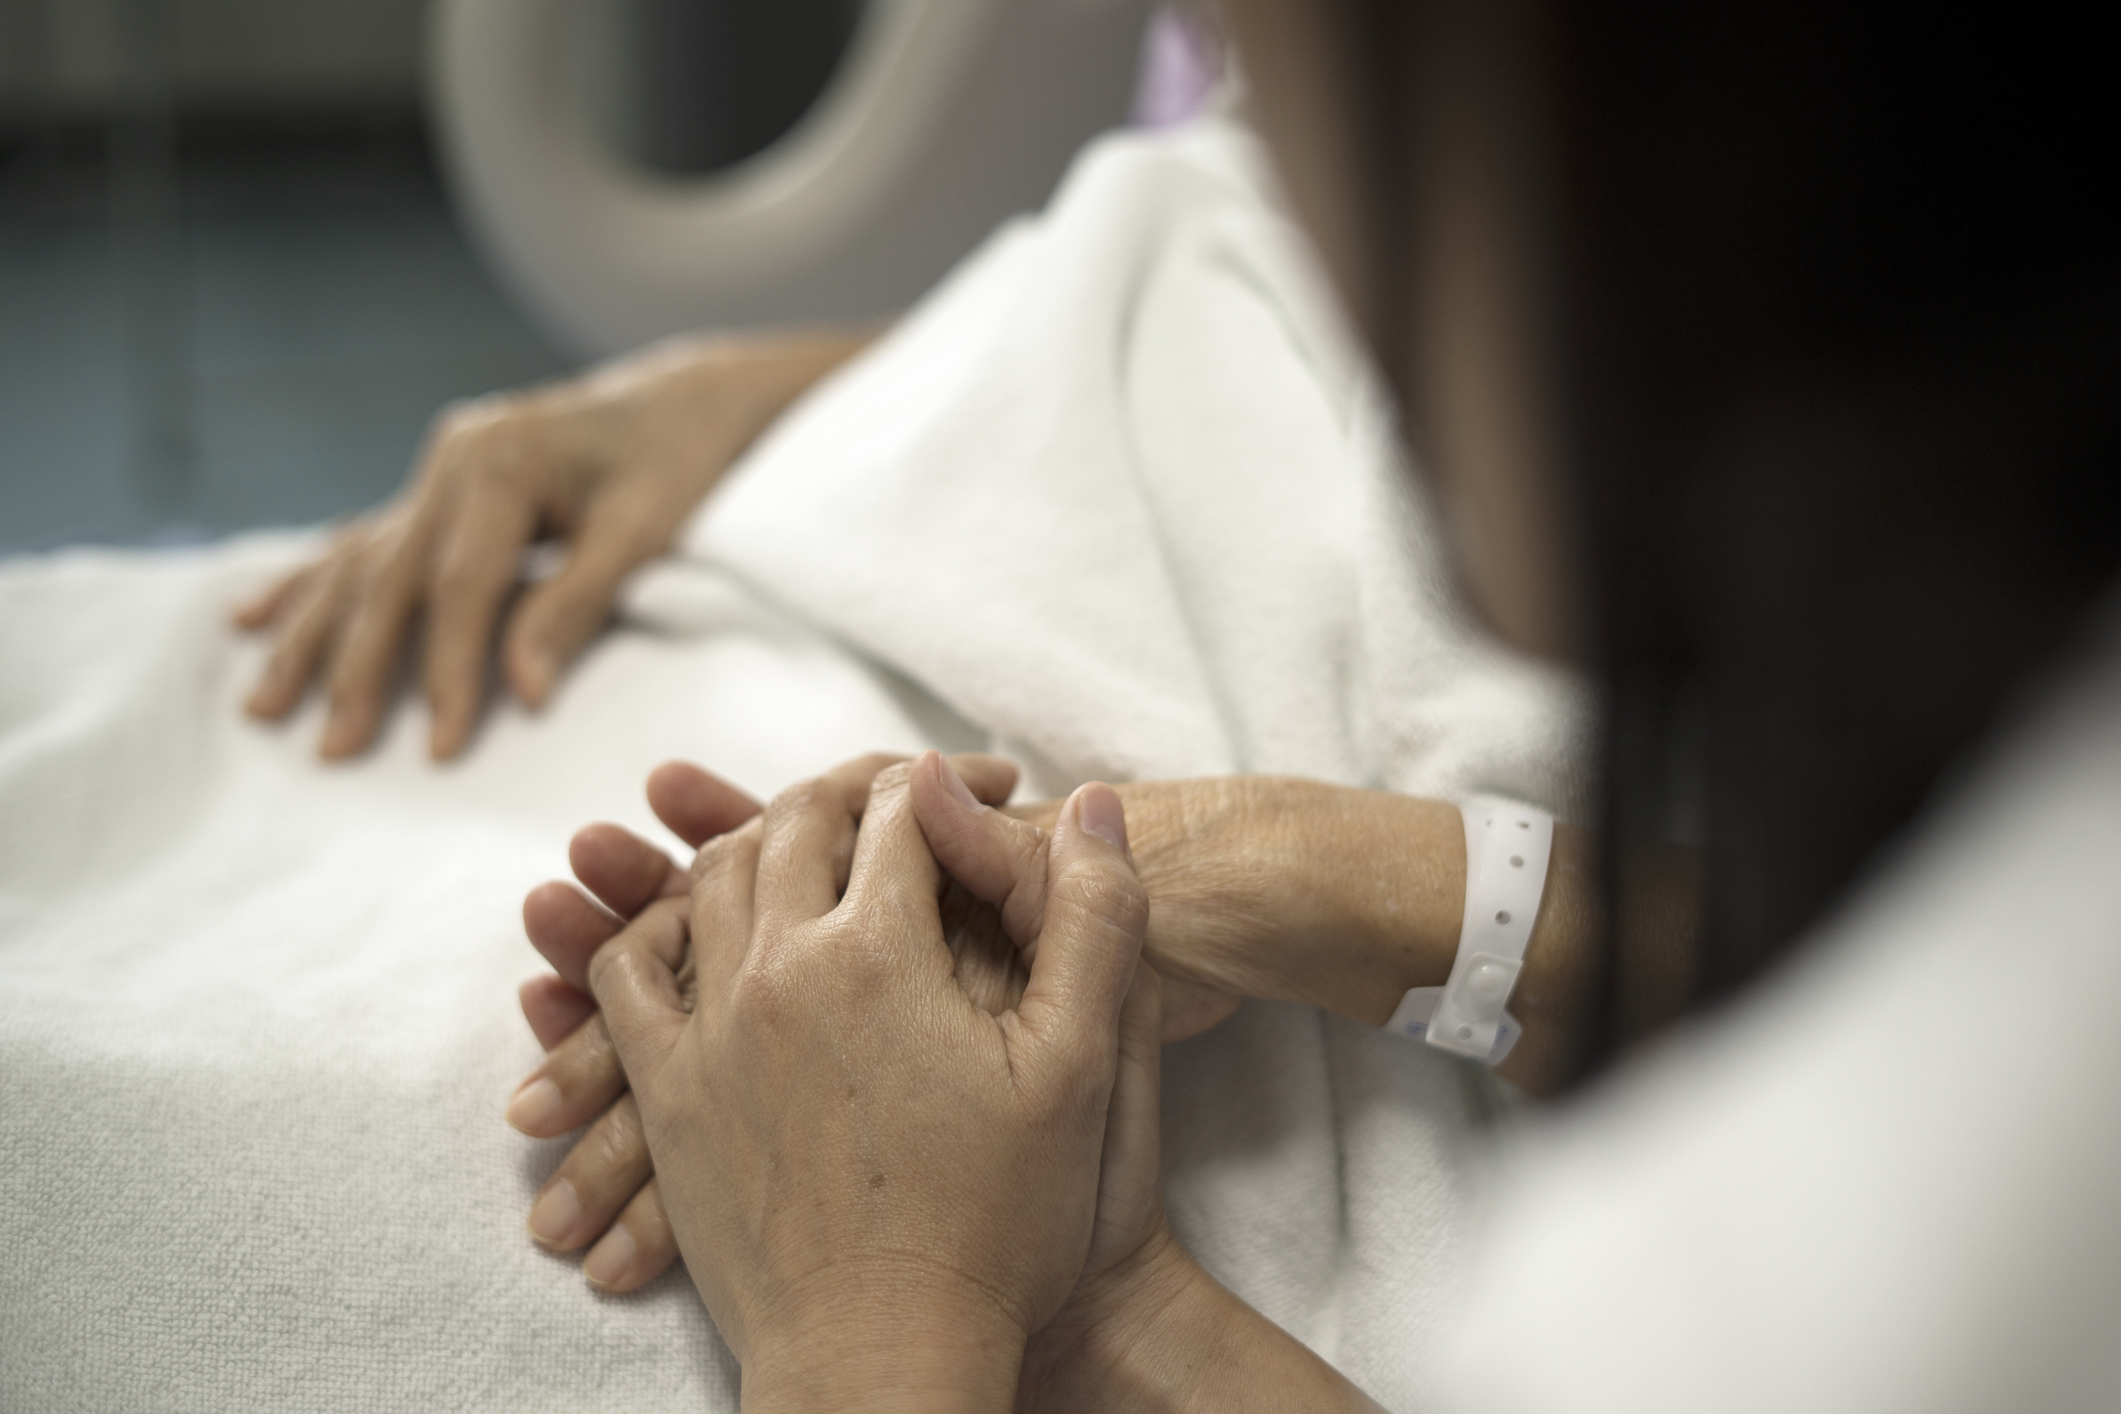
(1842,314)
(1838,318)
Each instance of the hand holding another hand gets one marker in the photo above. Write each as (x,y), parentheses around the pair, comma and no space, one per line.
(1259,886)
(872,1176)
(604,1192)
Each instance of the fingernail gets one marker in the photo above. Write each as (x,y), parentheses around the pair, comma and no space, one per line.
(538,673)
(555,1213)
(608,1260)
(534,1105)
(958,788)
(1098,810)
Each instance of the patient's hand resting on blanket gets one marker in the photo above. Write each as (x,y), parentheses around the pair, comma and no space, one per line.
(608,464)
(1259,886)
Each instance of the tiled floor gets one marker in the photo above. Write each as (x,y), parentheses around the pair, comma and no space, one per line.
(328,306)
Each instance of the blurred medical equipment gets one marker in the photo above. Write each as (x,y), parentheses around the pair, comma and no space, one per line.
(942,118)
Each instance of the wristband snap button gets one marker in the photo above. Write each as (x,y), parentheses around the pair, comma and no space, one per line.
(1490,982)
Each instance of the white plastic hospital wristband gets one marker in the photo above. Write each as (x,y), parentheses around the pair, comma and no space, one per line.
(1507,846)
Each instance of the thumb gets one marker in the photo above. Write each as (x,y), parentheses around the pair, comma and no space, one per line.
(1000,860)
(1096,915)
(1129,1180)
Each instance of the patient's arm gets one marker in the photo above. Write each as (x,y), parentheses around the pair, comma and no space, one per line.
(607,464)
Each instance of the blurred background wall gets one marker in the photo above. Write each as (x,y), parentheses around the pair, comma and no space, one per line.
(232,290)
(74,56)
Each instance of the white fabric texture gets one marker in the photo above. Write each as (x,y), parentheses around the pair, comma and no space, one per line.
(1115,499)
(1884,1183)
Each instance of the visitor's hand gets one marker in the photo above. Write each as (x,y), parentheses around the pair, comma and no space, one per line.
(604,1192)
(605,1188)
(1252,880)
(1132,1257)
(1260,886)
(881,1189)
(608,465)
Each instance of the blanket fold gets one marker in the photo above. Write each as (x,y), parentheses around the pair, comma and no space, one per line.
(1116,499)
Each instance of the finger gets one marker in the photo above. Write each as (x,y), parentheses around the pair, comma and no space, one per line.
(624,871)
(988,966)
(304,634)
(892,885)
(598,1177)
(1132,1127)
(1129,1178)
(555,619)
(807,841)
(633,977)
(810,830)
(576,1082)
(262,608)
(1097,914)
(479,559)
(991,779)
(999,860)
(567,929)
(807,838)
(639,1248)
(697,805)
(368,650)
(554,1009)
(724,877)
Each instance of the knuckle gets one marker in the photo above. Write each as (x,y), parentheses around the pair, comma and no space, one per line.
(719,857)
(894,776)
(767,991)
(864,955)
(606,965)
(890,792)
(457,577)
(814,796)
(1106,895)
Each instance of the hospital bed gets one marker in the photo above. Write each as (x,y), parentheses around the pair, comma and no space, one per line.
(257,1021)
(943,118)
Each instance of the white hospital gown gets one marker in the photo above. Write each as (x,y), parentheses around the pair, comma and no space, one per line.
(1890,1180)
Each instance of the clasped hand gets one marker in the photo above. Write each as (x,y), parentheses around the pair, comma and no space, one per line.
(867,1169)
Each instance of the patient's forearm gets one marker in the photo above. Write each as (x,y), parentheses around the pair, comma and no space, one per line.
(750,378)
(1341,898)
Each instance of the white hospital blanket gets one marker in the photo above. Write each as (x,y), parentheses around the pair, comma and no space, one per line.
(1115,497)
